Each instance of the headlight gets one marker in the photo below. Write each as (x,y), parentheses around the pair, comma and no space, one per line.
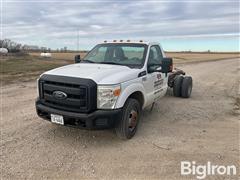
(107,96)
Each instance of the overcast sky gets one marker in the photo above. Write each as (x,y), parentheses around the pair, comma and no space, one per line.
(177,25)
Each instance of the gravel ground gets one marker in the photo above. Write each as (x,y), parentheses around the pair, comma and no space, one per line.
(202,128)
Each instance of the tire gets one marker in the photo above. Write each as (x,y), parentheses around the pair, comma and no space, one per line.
(177,86)
(186,87)
(127,126)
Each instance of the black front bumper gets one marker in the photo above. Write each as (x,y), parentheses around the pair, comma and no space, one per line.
(99,119)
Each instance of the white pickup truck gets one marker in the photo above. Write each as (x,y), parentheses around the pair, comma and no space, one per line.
(109,87)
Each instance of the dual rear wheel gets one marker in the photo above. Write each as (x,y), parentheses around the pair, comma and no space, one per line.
(182,86)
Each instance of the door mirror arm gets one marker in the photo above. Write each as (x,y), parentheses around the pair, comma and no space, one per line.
(152,68)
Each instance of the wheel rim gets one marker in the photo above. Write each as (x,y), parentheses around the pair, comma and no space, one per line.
(132,122)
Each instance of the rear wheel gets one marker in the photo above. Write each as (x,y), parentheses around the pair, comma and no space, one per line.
(177,86)
(127,126)
(186,87)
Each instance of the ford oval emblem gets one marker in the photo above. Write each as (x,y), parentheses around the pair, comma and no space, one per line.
(59,95)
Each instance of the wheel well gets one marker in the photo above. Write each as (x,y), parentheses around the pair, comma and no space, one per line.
(138,96)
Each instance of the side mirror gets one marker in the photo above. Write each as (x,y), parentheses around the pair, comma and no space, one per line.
(167,65)
(77,59)
(154,68)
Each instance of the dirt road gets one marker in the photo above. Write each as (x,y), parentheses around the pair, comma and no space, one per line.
(202,128)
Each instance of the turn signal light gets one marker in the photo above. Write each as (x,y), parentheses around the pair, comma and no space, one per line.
(116,92)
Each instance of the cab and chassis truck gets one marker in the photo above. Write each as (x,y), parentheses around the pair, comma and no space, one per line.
(110,87)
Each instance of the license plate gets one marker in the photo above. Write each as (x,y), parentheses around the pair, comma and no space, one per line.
(57,119)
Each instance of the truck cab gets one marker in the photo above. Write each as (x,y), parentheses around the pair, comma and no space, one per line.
(108,88)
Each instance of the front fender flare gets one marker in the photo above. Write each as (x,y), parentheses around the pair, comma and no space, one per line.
(127,92)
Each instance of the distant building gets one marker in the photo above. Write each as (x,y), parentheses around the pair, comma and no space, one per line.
(43,49)
(30,47)
(33,47)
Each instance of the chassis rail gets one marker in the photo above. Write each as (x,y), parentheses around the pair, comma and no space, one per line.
(173,74)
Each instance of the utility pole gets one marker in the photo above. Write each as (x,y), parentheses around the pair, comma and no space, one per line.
(78,40)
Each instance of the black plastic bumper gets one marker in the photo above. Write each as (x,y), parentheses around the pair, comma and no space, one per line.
(99,119)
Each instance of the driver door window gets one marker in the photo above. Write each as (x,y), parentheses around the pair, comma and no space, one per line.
(155,56)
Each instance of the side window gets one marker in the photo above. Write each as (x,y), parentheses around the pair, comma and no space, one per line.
(155,55)
(160,54)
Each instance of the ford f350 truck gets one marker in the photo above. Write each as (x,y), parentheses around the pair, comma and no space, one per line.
(109,87)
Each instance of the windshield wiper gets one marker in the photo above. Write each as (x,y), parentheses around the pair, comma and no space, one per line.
(110,62)
(88,61)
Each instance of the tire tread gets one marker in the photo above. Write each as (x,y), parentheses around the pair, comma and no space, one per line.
(121,130)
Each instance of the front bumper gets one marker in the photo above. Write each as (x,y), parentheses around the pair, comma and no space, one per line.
(99,119)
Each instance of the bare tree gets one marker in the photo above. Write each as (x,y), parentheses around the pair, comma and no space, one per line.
(17,47)
(10,45)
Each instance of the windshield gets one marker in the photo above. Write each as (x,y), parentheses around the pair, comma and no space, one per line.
(128,54)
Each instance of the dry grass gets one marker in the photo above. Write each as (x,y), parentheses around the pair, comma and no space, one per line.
(25,68)
(28,67)
(62,55)
(180,57)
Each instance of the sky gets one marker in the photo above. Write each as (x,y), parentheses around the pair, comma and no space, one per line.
(196,25)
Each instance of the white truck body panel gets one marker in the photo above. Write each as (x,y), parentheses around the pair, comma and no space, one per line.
(102,74)
(130,87)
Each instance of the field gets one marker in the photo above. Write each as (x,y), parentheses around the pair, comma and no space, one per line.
(29,67)
(187,57)
(202,128)
(179,57)
(61,55)
(25,68)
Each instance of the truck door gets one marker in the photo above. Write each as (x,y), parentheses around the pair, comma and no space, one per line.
(157,81)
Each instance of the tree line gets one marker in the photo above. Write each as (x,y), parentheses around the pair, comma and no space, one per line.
(14,47)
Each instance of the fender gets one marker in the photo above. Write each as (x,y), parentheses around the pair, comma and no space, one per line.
(127,91)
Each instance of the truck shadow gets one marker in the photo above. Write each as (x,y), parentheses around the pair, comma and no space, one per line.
(70,135)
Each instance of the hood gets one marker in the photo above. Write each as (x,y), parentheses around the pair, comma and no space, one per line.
(100,73)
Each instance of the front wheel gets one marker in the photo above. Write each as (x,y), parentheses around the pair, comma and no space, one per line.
(127,126)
